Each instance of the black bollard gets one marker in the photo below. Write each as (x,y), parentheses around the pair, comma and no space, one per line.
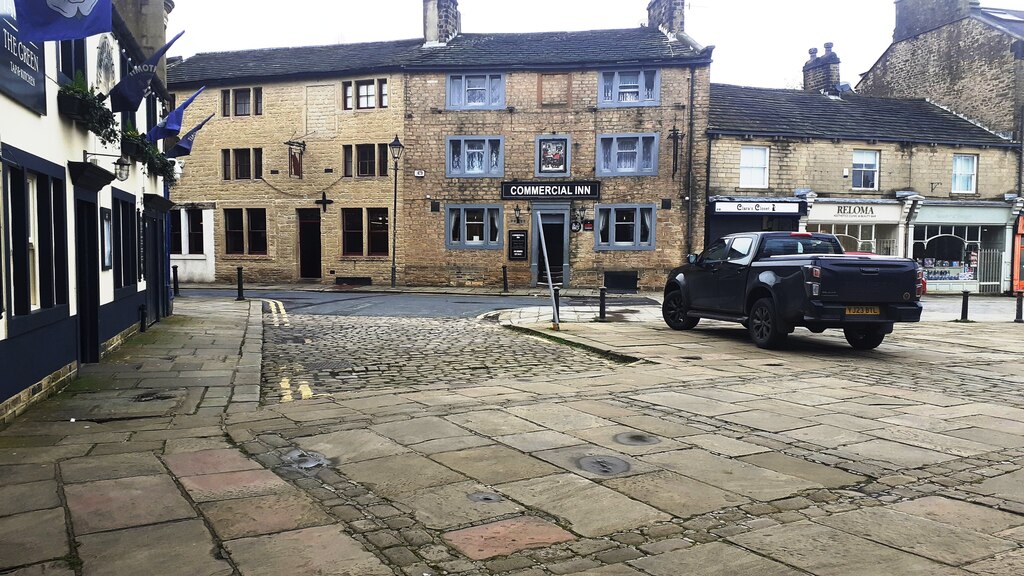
(558,306)
(504,278)
(174,273)
(241,289)
(963,307)
(1020,308)
(604,301)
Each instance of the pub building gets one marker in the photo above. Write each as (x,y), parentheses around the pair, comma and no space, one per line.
(590,140)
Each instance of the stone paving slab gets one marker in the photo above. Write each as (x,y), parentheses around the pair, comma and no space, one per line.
(1009,564)
(732,475)
(537,441)
(124,502)
(351,446)
(961,514)
(1009,486)
(450,506)
(19,498)
(505,537)
(827,476)
(395,475)
(260,515)
(675,493)
(715,559)
(583,504)
(901,455)
(208,462)
(558,417)
(690,403)
(45,569)
(21,474)
(419,430)
(493,423)
(179,548)
(91,468)
(229,485)
(938,541)
(319,550)
(496,464)
(610,437)
(824,551)
(32,537)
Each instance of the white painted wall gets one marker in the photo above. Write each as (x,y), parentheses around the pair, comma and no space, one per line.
(58,140)
(195,267)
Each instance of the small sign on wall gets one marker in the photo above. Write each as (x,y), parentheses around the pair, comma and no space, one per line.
(517,245)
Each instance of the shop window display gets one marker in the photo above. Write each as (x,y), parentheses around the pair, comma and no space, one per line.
(948,253)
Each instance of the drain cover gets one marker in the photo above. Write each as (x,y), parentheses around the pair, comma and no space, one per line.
(303,460)
(484,497)
(153,397)
(603,465)
(636,439)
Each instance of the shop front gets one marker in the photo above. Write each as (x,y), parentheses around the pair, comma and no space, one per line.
(866,225)
(965,246)
(731,214)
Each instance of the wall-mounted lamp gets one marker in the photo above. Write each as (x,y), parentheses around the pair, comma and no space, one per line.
(122,166)
(518,212)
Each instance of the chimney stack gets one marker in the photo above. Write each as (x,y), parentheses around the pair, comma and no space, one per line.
(441,21)
(667,16)
(914,17)
(821,73)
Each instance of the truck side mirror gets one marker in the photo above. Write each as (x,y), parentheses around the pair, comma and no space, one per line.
(691,258)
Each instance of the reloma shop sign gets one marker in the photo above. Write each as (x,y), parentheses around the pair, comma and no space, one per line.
(22,65)
(551,190)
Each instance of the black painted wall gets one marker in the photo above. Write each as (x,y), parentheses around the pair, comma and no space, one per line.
(30,357)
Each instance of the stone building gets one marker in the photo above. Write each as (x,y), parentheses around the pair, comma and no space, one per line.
(81,253)
(589,139)
(966,58)
(901,177)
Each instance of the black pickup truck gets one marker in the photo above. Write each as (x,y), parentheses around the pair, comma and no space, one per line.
(772,282)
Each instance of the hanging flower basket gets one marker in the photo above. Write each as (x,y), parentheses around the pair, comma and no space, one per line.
(80,103)
(89,176)
(132,147)
(73,106)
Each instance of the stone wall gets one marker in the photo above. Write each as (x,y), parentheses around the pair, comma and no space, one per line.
(819,165)
(966,66)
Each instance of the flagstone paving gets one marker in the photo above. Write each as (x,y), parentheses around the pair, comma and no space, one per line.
(418,447)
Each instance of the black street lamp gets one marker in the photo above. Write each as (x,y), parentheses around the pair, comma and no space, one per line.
(396,152)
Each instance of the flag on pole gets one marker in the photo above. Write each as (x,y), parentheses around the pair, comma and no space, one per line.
(171,125)
(131,90)
(184,146)
(40,20)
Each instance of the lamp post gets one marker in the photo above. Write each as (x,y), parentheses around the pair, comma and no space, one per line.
(396,153)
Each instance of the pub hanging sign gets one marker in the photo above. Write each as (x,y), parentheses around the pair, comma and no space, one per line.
(22,65)
(575,190)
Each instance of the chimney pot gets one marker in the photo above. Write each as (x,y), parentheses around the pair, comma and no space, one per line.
(813,52)
(828,47)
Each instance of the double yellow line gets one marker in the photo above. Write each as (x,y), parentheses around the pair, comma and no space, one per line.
(305,392)
(278,315)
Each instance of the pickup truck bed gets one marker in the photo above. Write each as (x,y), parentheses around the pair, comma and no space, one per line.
(772,282)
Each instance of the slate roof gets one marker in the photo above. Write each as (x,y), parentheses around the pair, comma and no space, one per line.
(467,51)
(1009,21)
(741,110)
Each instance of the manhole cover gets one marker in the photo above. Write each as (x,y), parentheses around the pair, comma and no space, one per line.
(302,460)
(603,465)
(153,397)
(636,439)
(484,497)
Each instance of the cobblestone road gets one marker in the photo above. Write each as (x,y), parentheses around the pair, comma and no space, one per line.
(331,354)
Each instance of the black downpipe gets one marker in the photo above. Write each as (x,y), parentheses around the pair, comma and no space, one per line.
(707,191)
(689,163)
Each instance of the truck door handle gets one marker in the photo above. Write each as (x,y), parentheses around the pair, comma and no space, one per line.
(869,271)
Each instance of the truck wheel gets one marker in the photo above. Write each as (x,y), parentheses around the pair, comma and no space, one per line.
(674,310)
(763,325)
(863,338)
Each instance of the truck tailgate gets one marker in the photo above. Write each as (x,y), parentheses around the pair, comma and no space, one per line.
(867,280)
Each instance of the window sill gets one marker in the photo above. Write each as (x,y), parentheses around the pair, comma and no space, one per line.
(362,258)
(253,257)
(962,194)
(629,175)
(188,257)
(478,109)
(630,248)
(474,177)
(474,246)
(617,105)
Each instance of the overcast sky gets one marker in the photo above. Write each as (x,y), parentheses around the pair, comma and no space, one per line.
(757,42)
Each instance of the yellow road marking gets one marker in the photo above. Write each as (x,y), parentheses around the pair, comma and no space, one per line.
(286,390)
(278,315)
(273,312)
(305,391)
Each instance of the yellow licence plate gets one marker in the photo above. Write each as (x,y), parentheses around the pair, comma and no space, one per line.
(862,311)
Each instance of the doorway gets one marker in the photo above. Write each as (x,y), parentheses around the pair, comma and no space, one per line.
(310,256)
(554,222)
(153,234)
(87,265)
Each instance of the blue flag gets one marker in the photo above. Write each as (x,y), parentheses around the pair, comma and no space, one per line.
(40,20)
(171,125)
(131,90)
(184,146)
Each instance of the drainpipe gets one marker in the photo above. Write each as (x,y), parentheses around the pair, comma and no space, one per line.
(707,189)
(689,164)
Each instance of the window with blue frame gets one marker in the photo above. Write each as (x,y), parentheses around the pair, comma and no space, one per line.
(476,91)
(623,88)
(627,154)
(625,227)
(475,157)
(474,227)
